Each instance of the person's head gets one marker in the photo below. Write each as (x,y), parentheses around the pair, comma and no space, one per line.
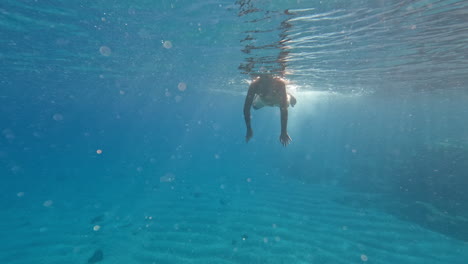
(264,76)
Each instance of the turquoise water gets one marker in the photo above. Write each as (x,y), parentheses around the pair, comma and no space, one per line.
(123,141)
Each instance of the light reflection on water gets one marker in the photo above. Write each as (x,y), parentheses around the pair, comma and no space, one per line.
(347,47)
(407,45)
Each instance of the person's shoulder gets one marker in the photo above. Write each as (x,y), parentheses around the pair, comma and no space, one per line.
(280,80)
(255,81)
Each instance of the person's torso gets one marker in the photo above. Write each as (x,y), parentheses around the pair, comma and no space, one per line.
(270,91)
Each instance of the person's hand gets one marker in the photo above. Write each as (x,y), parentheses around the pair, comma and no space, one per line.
(249,134)
(285,139)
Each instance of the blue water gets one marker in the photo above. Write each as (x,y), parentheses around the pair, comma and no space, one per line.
(123,140)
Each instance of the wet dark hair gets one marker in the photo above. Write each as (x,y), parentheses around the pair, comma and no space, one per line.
(263,75)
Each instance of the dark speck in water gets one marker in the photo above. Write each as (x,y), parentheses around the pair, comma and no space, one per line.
(26,223)
(97,219)
(96,257)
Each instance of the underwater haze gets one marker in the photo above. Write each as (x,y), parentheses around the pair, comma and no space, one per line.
(122,135)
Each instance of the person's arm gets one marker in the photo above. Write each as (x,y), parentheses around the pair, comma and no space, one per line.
(247,105)
(284,137)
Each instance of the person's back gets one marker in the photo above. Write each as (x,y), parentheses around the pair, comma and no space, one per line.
(267,90)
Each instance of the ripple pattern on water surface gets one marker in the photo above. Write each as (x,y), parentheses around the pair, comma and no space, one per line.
(352,47)
(339,46)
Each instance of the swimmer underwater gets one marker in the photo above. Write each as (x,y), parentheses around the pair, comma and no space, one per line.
(268,90)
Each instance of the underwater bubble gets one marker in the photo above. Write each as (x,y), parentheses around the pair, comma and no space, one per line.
(182,86)
(364,258)
(57,117)
(96,227)
(48,203)
(99,151)
(15,169)
(167,44)
(8,133)
(168,177)
(105,51)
